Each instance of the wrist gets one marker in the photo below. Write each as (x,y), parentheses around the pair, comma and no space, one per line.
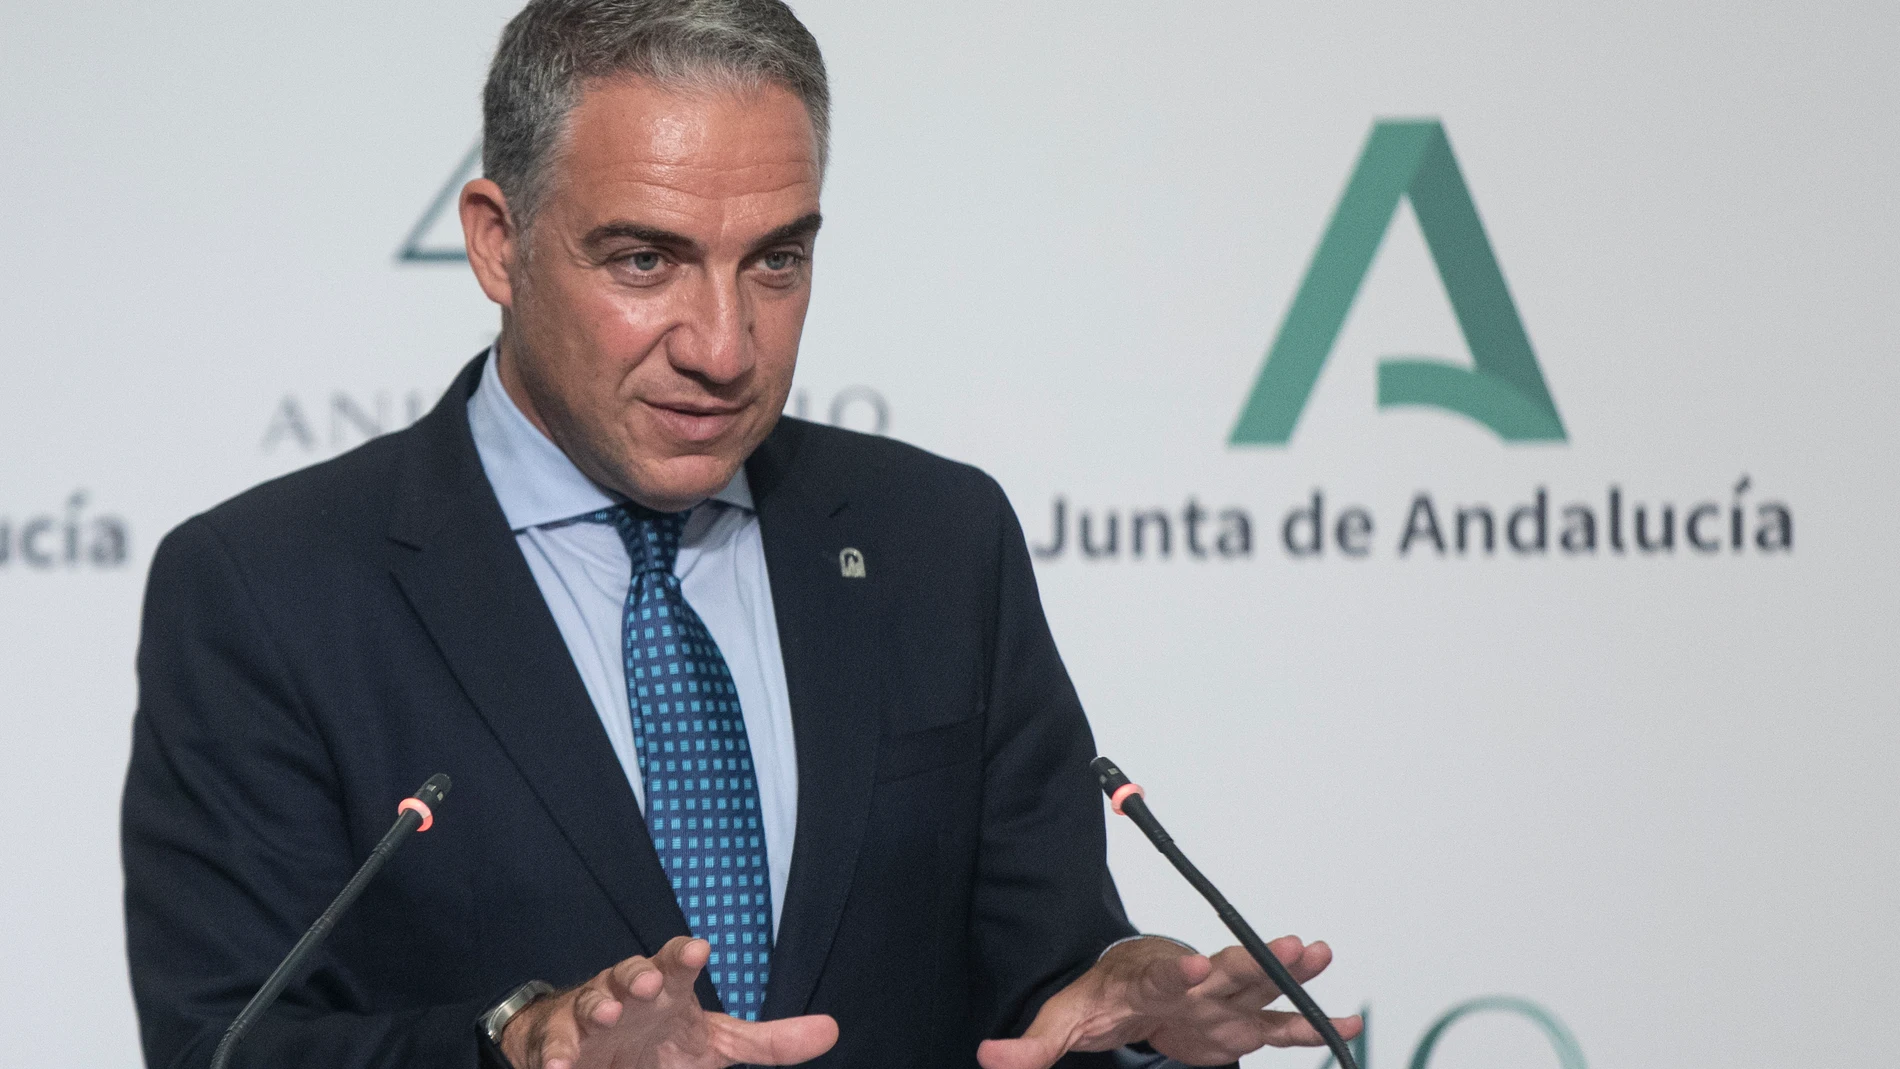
(512,1022)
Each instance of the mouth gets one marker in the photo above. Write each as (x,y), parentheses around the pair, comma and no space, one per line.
(696,421)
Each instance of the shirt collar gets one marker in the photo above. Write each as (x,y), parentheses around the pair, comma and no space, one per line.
(535,482)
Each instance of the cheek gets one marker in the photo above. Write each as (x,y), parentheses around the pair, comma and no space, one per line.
(776,331)
(601,337)
(629,325)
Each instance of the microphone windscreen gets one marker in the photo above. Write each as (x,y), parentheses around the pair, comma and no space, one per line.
(1111,778)
(432,792)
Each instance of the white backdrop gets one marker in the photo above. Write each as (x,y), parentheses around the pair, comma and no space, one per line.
(1652,793)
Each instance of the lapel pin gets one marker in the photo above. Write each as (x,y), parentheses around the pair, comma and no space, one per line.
(851,562)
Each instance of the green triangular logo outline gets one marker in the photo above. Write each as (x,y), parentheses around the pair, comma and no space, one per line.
(415,249)
(1504,389)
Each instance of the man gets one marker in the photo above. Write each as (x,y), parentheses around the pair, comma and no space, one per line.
(763,752)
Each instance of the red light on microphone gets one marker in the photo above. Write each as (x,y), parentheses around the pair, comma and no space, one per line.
(428,818)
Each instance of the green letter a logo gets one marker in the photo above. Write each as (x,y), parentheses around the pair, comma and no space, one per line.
(1504,390)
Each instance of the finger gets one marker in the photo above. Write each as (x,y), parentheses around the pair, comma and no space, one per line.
(1292,1030)
(637,977)
(1302,961)
(1312,961)
(1236,973)
(595,1008)
(783,1042)
(559,1045)
(680,961)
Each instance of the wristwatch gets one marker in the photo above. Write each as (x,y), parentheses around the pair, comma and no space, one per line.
(495,1021)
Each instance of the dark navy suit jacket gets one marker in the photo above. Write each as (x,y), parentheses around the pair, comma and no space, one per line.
(317,647)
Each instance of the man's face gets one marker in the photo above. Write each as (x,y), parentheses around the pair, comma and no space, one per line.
(654,305)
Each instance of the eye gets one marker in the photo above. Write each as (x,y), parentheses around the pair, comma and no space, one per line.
(645,261)
(780,261)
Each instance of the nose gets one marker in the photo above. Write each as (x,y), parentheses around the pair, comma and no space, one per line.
(713,342)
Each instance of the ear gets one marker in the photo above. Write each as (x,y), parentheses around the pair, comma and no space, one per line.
(488,229)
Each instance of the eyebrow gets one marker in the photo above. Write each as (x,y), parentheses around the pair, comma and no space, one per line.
(792,231)
(652,235)
(618,231)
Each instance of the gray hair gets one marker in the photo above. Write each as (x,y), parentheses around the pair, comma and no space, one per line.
(554,47)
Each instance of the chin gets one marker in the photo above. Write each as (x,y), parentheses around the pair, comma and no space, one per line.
(682,482)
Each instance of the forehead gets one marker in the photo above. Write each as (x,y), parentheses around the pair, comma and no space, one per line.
(633,146)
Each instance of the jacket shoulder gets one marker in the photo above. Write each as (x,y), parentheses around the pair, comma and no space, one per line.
(895,473)
(337,500)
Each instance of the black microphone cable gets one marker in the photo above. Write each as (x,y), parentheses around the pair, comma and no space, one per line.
(413,814)
(1128,800)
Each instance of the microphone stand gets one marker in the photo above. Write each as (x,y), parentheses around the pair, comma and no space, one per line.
(414,814)
(1127,799)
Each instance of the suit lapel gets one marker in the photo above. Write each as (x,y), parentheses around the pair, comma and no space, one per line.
(828,636)
(472,589)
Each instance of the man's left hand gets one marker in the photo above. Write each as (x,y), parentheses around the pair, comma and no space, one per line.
(1194,1009)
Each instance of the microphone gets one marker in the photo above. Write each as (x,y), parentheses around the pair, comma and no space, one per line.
(1129,800)
(415,813)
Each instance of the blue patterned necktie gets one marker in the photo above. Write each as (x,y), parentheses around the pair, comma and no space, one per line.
(702,797)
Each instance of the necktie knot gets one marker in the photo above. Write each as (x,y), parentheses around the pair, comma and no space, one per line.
(652,538)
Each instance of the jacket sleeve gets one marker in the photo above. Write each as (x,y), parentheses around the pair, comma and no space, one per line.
(1045,905)
(234,840)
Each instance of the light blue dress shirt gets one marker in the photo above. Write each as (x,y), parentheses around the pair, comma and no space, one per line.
(583,571)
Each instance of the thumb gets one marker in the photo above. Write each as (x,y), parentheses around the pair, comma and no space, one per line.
(1029,1052)
(787,1041)
(1045,1042)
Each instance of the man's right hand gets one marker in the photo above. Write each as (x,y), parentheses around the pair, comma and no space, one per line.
(643,1014)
